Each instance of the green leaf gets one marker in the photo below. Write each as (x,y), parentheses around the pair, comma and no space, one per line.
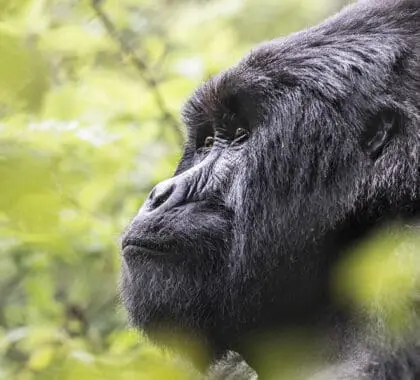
(23,75)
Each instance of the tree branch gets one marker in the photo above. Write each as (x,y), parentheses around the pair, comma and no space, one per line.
(141,67)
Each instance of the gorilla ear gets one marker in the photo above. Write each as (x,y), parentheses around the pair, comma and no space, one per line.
(380,129)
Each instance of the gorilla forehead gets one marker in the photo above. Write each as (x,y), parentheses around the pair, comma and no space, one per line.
(347,59)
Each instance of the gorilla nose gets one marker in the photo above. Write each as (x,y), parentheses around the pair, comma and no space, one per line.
(163,194)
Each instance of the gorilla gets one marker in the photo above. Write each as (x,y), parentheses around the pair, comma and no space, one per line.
(294,155)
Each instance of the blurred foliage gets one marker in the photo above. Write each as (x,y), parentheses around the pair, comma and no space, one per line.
(89,105)
(381,278)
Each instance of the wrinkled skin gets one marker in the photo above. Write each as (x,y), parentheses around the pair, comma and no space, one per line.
(293,155)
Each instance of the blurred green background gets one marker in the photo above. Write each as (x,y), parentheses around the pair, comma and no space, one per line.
(90,94)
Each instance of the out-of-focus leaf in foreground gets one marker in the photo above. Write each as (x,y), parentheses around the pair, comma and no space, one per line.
(381,277)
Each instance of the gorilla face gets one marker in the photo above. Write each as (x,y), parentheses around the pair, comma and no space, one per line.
(292,156)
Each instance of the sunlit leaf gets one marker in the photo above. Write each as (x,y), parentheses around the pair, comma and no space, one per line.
(23,74)
(41,358)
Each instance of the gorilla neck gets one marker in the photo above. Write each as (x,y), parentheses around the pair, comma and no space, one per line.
(347,342)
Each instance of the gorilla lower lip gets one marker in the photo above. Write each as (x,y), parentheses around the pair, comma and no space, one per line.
(136,250)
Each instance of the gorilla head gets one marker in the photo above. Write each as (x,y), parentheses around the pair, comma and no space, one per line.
(292,156)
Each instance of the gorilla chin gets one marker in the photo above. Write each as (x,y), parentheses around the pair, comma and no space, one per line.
(293,156)
(171,284)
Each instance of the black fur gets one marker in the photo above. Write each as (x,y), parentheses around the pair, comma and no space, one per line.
(243,238)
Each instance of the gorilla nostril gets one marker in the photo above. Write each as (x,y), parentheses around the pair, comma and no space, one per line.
(160,195)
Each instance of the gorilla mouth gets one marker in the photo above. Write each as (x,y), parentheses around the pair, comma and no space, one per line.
(135,250)
(134,247)
(202,228)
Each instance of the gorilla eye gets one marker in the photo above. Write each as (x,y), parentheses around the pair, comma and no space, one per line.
(208,142)
(241,134)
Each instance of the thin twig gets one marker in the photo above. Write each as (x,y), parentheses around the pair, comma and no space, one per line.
(141,67)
